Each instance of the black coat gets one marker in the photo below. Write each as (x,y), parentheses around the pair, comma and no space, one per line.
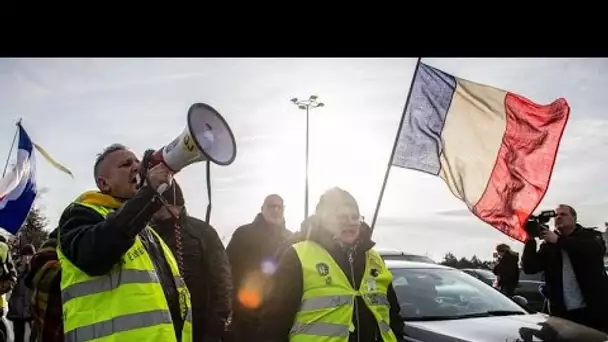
(281,307)
(507,272)
(586,249)
(206,273)
(249,246)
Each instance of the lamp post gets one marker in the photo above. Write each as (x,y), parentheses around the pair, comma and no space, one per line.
(310,103)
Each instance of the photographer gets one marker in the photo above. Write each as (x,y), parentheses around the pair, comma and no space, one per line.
(572,259)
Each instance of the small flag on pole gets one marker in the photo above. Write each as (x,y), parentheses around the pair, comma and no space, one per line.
(18,187)
(494,149)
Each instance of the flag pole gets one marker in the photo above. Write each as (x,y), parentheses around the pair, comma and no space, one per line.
(10,152)
(390,160)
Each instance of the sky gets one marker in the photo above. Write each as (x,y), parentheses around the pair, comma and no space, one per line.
(75,107)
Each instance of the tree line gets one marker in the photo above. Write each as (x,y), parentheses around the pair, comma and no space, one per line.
(452,261)
(32,232)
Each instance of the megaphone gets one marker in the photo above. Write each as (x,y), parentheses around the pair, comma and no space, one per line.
(207,137)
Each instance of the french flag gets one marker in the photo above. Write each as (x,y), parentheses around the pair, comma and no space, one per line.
(18,187)
(495,150)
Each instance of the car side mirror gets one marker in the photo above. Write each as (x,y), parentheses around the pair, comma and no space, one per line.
(520,300)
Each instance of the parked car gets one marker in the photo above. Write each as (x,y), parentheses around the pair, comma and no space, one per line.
(528,286)
(442,304)
(395,254)
(484,275)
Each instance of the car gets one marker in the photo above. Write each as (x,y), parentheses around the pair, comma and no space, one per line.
(395,254)
(484,275)
(528,286)
(443,304)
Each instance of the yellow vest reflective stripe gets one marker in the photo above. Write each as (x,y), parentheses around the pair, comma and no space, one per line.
(127,304)
(327,306)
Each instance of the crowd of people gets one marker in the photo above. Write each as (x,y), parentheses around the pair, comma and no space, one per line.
(127,262)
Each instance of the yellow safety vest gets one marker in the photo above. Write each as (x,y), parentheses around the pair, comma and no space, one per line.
(4,257)
(127,304)
(328,298)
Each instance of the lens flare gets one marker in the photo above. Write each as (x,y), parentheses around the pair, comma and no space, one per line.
(250,299)
(269,266)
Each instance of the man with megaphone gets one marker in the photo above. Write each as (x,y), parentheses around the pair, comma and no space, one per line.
(119,280)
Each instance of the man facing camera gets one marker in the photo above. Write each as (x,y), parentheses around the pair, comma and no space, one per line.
(119,280)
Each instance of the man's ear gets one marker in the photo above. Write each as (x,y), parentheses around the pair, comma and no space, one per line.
(102,184)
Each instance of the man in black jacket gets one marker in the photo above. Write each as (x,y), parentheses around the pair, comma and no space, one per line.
(348,248)
(252,251)
(572,260)
(96,244)
(205,265)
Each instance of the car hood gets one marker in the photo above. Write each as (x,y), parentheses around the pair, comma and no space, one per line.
(518,328)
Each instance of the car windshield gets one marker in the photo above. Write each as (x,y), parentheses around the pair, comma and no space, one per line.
(442,294)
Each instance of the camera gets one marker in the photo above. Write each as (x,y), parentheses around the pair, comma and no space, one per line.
(538,223)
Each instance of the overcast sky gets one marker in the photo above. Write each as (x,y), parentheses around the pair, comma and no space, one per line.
(75,107)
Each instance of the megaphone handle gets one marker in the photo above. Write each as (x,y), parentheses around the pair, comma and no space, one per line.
(208,213)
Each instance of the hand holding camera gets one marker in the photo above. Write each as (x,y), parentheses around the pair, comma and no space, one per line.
(537,227)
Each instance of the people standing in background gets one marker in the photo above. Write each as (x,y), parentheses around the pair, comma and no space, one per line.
(19,304)
(205,265)
(332,285)
(252,252)
(507,269)
(8,279)
(44,280)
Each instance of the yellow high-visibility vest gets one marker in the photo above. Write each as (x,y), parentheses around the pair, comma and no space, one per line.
(4,258)
(127,304)
(328,300)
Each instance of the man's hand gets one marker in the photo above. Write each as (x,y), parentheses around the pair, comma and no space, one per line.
(159,175)
(549,236)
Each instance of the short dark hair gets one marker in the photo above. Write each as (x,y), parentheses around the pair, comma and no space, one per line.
(572,211)
(3,239)
(103,155)
(503,248)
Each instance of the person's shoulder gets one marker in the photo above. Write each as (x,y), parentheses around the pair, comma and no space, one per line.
(75,212)
(244,229)
(590,232)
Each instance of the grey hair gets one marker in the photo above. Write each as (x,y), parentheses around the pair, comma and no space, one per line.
(330,199)
(102,156)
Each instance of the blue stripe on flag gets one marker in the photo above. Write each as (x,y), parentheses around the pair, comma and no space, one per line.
(419,145)
(19,201)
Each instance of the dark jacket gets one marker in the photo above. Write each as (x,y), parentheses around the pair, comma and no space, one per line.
(249,246)
(19,304)
(507,272)
(95,244)
(44,280)
(586,249)
(280,309)
(206,272)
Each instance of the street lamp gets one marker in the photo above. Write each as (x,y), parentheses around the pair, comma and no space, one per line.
(310,103)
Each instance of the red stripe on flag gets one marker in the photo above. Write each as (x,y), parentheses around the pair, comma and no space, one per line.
(524,164)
